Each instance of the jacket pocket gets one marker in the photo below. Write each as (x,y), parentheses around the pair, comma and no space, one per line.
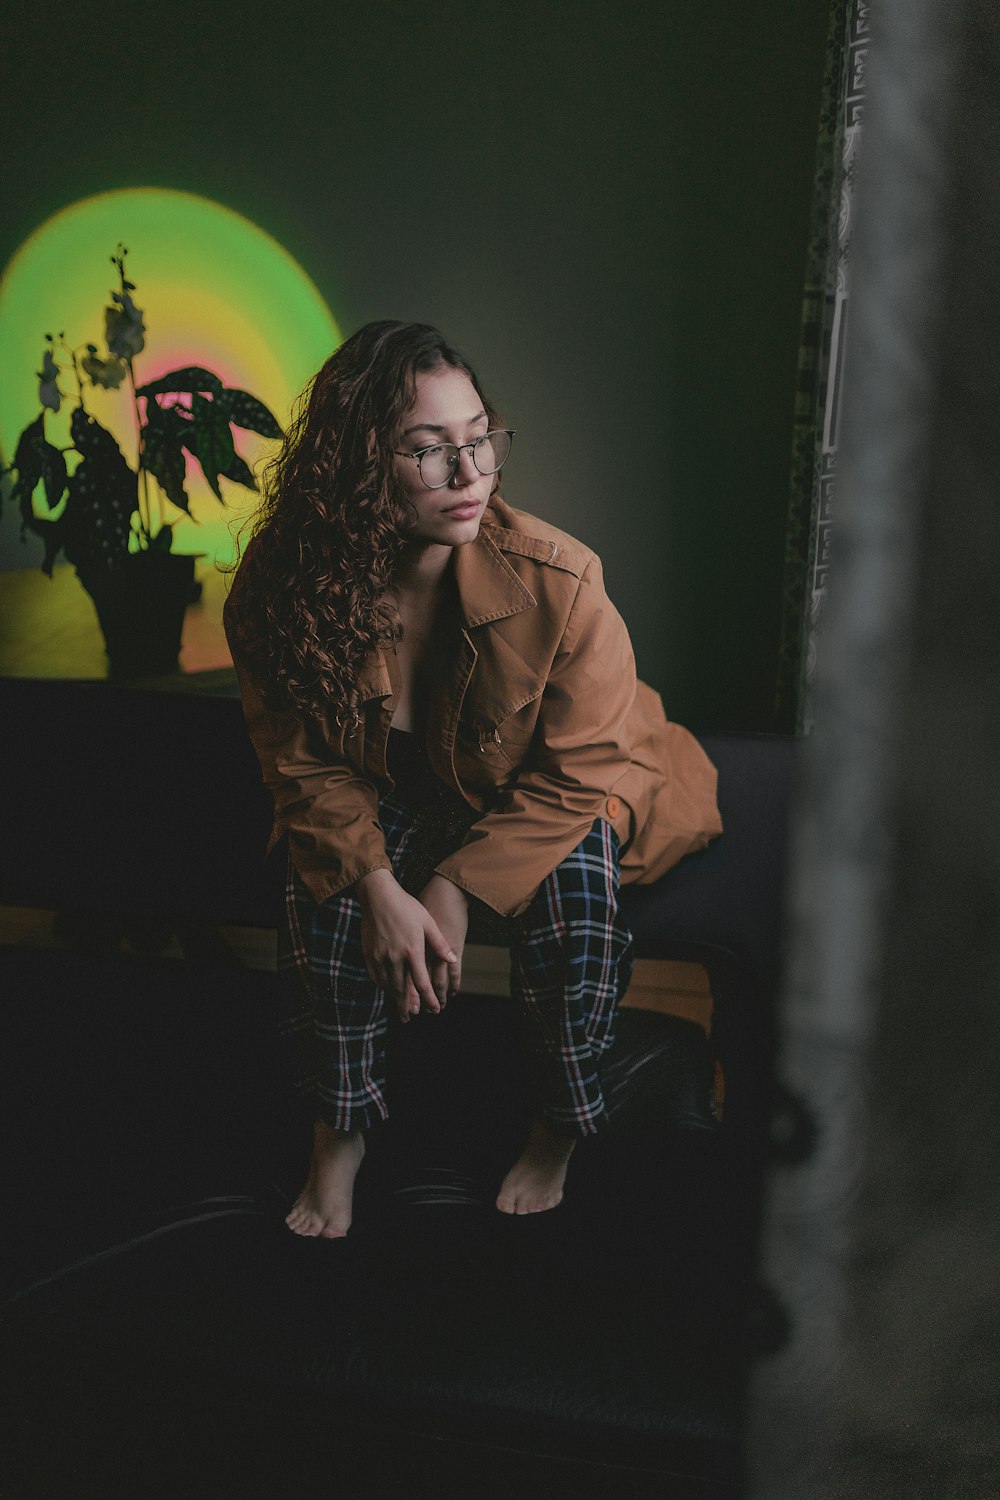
(500,743)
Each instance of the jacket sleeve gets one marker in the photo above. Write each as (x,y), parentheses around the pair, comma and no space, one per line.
(328,810)
(579,752)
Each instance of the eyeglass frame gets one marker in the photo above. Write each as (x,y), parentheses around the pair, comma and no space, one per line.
(418,455)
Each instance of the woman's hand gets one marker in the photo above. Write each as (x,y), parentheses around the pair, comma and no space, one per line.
(449,906)
(398,937)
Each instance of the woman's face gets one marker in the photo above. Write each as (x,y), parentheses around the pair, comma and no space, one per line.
(446,409)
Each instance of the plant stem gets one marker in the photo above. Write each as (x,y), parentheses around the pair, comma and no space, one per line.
(143,491)
(76,374)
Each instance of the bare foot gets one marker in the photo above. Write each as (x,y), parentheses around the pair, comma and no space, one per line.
(535,1181)
(323,1208)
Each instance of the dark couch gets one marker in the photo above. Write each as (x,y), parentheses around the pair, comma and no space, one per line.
(167,1334)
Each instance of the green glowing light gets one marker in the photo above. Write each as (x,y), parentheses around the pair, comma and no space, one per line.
(215,290)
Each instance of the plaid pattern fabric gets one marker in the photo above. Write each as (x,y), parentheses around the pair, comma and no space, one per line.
(570,965)
(571,960)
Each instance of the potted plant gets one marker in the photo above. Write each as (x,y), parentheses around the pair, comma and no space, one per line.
(111,520)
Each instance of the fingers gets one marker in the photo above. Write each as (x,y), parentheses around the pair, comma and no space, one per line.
(438,943)
(445,959)
(454,977)
(407,1000)
(440,980)
(421,981)
(412,990)
(406,952)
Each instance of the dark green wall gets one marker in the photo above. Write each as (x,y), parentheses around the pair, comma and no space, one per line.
(607,211)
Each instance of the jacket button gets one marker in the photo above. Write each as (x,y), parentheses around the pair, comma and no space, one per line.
(614,806)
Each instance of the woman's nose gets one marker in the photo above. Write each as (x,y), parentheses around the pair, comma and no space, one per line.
(466,471)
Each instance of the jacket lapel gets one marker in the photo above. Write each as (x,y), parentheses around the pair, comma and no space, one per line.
(488,587)
(373,678)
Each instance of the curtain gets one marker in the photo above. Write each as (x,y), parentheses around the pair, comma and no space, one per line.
(819,388)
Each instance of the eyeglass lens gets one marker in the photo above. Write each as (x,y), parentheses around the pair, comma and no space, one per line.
(439,463)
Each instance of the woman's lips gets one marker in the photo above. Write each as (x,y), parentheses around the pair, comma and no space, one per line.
(466,508)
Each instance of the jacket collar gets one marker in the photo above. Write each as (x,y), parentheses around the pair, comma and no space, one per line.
(488,589)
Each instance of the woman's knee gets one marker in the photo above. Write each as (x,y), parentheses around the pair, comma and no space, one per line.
(592,868)
(583,887)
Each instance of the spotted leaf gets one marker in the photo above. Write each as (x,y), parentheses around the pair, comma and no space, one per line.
(244,410)
(191,378)
(102,497)
(163,453)
(240,473)
(211,440)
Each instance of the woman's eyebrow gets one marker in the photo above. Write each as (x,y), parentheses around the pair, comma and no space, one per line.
(434,427)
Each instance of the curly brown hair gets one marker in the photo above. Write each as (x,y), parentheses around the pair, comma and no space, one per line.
(310,600)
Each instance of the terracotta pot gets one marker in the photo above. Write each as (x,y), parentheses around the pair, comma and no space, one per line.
(141,605)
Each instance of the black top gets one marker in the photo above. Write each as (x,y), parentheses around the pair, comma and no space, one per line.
(417,784)
(443,819)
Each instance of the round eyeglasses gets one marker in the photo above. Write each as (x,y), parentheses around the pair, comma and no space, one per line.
(438,464)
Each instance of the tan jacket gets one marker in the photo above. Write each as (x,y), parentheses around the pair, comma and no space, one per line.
(535,717)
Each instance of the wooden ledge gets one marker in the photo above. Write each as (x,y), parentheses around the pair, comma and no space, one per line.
(674,989)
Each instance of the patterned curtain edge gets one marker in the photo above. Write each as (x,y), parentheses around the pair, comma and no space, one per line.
(821,351)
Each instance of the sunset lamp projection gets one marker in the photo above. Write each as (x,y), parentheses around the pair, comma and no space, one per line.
(146,436)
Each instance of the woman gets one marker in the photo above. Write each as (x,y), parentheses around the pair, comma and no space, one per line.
(444,704)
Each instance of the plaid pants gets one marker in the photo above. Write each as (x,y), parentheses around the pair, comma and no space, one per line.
(571,961)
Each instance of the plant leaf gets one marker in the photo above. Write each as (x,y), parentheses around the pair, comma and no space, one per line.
(53,474)
(49,393)
(108,373)
(54,539)
(53,533)
(102,497)
(31,461)
(239,472)
(244,410)
(124,329)
(211,440)
(36,459)
(92,440)
(28,456)
(163,455)
(189,379)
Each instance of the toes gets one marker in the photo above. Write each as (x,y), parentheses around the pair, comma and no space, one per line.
(311,1225)
(302,1220)
(516,1202)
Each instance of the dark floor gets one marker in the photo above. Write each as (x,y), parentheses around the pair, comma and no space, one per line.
(164,1334)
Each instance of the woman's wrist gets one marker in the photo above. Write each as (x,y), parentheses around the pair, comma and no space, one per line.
(443,880)
(367,885)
